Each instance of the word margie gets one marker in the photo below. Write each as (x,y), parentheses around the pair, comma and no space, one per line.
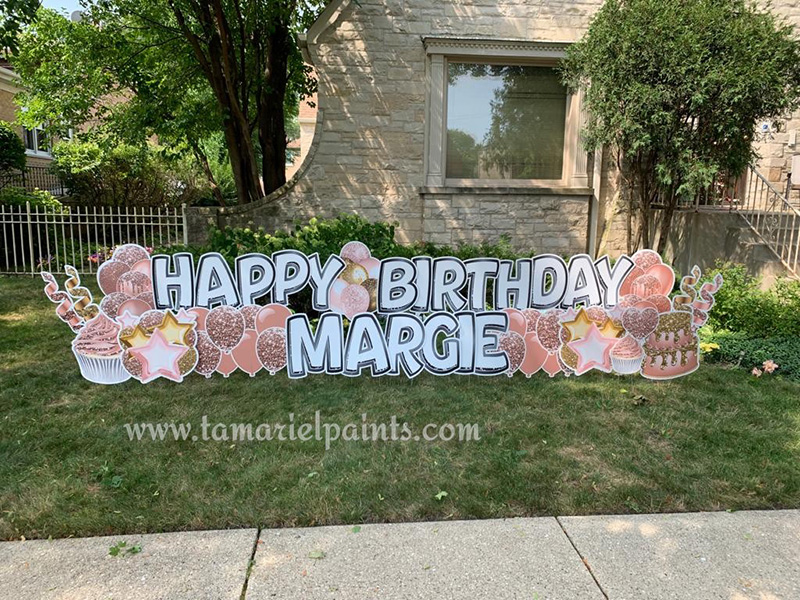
(422,284)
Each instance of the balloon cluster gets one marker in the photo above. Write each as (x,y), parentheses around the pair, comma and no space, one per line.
(249,338)
(126,282)
(356,289)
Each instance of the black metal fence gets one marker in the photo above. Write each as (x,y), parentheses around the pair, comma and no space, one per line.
(35,178)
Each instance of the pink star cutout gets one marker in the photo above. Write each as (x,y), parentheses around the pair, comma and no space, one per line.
(593,350)
(184,317)
(126,319)
(159,358)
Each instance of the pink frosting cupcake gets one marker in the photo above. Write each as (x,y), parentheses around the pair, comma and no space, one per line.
(99,353)
(626,356)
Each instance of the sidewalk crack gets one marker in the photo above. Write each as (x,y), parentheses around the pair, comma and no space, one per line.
(583,559)
(250,563)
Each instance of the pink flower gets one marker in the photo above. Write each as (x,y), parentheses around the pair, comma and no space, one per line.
(756,372)
(769,366)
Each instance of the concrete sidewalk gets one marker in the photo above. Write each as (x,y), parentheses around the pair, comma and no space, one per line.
(731,556)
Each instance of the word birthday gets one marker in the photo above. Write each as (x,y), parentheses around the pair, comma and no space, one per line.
(166,316)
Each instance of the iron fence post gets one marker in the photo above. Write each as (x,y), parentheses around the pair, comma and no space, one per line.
(185,225)
(30,237)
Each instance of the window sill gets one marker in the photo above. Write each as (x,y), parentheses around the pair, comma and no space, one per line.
(35,154)
(526,190)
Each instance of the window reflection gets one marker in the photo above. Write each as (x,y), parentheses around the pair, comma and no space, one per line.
(505,122)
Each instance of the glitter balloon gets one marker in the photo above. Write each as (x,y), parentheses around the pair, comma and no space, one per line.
(548,329)
(109,273)
(531,319)
(143,266)
(249,313)
(208,355)
(111,303)
(271,349)
(134,283)
(354,273)
(371,285)
(629,300)
(225,326)
(132,364)
(661,302)
(147,298)
(513,344)
(355,299)
(645,285)
(597,314)
(355,251)
(644,259)
(151,319)
(187,362)
(130,254)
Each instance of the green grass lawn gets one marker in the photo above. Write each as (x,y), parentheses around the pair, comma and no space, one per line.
(717,439)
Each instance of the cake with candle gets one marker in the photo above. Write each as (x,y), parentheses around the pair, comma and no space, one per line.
(672,349)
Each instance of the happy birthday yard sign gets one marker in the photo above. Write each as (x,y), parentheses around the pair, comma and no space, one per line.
(167,316)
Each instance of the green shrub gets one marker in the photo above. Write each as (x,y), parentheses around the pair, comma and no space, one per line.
(748,352)
(12,150)
(741,306)
(104,174)
(17,196)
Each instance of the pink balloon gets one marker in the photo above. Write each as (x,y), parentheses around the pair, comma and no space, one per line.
(335,296)
(143,267)
(552,366)
(373,267)
(535,355)
(627,284)
(355,299)
(226,365)
(244,354)
(109,273)
(516,321)
(665,276)
(201,314)
(272,315)
(134,306)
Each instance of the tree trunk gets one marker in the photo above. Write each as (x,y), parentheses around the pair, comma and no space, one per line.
(666,222)
(271,126)
(202,159)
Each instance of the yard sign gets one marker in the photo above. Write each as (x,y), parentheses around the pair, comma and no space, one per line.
(167,316)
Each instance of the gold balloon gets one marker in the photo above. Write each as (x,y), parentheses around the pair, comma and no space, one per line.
(354,273)
(371,286)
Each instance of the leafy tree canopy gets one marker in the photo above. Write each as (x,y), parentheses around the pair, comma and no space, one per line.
(14,15)
(12,150)
(675,89)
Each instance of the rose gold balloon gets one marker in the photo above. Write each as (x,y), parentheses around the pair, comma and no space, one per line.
(109,273)
(134,306)
(552,365)
(272,315)
(201,314)
(665,276)
(226,365)
(373,266)
(627,284)
(335,295)
(516,321)
(143,267)
(244,354)
(535,355)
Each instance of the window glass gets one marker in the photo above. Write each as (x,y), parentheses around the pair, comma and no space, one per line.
(504,122)
(30,139)
(42,141)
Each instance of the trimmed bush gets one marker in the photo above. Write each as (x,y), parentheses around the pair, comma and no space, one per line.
(748,352)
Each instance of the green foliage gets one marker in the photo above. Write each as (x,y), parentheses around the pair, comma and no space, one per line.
(105,174)
(12,150)
(741,306)
(675,87)
(749,352)
(17,196)
(14,15)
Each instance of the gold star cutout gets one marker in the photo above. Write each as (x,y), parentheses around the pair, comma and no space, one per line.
(136,339)
(611,329)
(173,331)
(579,326)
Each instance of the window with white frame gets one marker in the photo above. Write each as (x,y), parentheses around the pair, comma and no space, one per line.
(498,114)
(37,141)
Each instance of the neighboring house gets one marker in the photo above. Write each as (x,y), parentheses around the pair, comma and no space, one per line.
(418,124)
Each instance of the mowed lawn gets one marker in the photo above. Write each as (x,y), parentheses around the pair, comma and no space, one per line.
(715,440)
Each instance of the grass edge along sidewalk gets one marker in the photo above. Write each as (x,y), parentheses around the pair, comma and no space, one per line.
(717,439)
